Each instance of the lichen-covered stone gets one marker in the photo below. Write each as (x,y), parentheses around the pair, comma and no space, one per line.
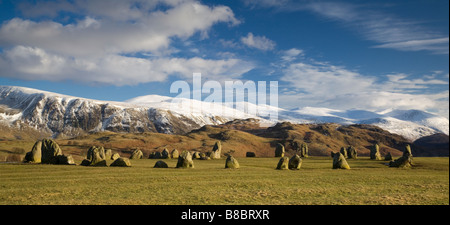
(304,150)
(66,160)
(50,151)
(402,162)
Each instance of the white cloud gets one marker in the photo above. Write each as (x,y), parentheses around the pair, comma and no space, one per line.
(97,48)
(258,42)
(324,85)
(291,54)
(36,64)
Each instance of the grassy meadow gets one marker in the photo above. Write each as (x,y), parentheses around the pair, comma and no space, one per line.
(255,183)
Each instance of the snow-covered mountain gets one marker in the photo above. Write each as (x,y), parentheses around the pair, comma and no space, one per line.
(70,116)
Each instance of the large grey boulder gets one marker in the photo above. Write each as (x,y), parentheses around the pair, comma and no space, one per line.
(95,157)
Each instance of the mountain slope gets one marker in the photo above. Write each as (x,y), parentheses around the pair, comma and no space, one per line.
(71,116)
(62,115)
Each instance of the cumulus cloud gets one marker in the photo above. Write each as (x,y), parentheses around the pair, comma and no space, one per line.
(36,64)
(258,42)
(100,45)
(320,84)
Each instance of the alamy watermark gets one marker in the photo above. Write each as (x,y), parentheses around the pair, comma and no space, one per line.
(246,98)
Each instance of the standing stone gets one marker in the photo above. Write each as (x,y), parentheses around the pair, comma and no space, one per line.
(185,160)
(94,157)
(34,156)
(279,150)
(250,154)
(161,164)
(115,156)
(165,154)
(402,162)
(352,153)
(66,160)
(108,153)
(388,157)
(343,151)
(121,162)
(196,155)
(283,164)
(231,163)
(137,154)
(304,150)
(50,151)
(216,151)
(295,162)
(175,154)
(407,152)
(339,161)
(375,152)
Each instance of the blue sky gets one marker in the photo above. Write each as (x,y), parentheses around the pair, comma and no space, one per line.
(370,55)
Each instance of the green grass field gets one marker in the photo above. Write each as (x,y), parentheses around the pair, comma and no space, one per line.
(255,183)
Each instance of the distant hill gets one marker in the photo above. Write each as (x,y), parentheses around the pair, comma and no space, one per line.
(433,145)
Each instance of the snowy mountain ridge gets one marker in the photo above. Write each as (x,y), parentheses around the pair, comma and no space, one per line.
(67,115)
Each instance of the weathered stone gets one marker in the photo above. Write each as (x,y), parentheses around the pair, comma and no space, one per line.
(97,152)
(231,163)
(375,152)
(108,153)
(250,154)
(115,156)
(137,154)
(295,162)
(216,151)
(407,152)
(196,155)
(388,157)
(343,151)
(34,156)
(50,151)
(402,162)
(283,164)
(121,162)
(203,156)
(279,150)
(175,154)
(185,160)
(161,164)
(165,154)
(339,161)
(352,153)
(66,160)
